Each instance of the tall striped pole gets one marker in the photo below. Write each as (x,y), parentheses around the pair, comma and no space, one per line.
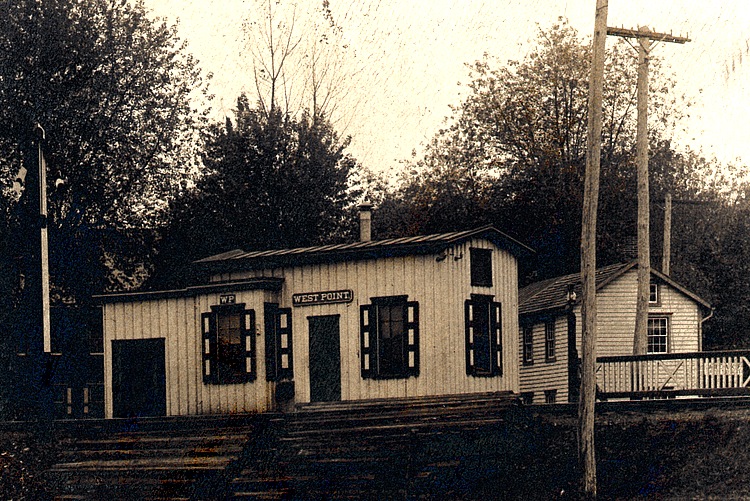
(44,243)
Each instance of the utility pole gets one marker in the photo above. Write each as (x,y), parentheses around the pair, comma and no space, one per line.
(667,245)
(587,398)
(647,39)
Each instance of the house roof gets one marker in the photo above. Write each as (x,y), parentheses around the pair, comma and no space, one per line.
(552,294)
(426,244)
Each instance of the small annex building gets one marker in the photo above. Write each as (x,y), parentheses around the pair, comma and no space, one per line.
(419,316)
(550,326)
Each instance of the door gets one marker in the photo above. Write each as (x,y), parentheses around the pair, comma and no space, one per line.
(325,359)
(138,378)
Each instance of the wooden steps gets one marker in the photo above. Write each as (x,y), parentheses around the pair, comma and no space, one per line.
(397,448)
(159,459)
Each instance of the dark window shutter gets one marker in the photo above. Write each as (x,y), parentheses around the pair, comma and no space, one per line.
(270,311)
(284,360)
(367,342)
(412,338)
(248,335)
(208,347)
(469,322)
(496,337)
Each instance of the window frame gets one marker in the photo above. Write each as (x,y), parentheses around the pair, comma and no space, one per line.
(650,335)
(480,264)
(212,373)
(527,343)
(494,333)
(550,341)
(373,345)
(655,292)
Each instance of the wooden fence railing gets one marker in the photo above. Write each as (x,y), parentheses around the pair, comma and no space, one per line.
(709,373)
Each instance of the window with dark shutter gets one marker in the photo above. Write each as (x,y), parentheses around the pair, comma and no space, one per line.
(278,328)
(483,320)
(481,267)
(389,338)
(228,335)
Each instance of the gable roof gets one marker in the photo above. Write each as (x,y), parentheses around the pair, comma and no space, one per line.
(419,245)
(552,294)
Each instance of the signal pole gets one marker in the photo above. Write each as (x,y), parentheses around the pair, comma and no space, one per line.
(647,40)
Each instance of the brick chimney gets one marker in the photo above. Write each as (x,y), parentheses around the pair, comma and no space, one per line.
(365,222)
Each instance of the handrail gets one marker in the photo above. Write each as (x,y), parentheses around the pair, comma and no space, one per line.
(706,373)
(673,356)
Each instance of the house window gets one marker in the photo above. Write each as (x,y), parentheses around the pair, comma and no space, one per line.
(484,348)
(653,296)
(228,345)
(549,341)
(278,327)
(481,267)
(658,335)
(528,345)
(527,397)
(550,396)
(389,338)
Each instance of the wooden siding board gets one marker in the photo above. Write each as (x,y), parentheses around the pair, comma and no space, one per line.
(440,288)
(543,375)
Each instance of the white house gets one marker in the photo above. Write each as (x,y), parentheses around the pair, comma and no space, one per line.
(418,316)
(550,326)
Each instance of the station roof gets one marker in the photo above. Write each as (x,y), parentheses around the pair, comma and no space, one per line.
(372,249)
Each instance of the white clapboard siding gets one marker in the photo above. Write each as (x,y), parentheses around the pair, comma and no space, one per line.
(440,287)
(178,320)
(542,375)
(616,317)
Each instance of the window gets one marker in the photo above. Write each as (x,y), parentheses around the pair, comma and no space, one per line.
(549,341)
(653,296)
(389,338)
(527,397)
(658,335)
(484,352)
(528,345)
(278,327)
(228,345)
(550,396)
(481,267)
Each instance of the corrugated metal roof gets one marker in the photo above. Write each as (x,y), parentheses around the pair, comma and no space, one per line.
(361,250)
(552,294)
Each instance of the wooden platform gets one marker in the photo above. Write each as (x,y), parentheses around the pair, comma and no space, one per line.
(344,450)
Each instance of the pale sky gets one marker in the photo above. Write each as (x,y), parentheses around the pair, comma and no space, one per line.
(411,55)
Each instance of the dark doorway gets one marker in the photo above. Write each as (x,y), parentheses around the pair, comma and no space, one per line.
(325,359)
(138,378)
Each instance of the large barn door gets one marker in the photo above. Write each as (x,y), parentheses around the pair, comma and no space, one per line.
(325,359)
(138,378)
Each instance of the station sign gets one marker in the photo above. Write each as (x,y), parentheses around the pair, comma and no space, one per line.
(325,297)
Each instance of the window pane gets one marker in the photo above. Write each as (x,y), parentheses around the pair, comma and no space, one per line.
(391,334)
(658,334)
(482,345)
(481,267)
(231,363)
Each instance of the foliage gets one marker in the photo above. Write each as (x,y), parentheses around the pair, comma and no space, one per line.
(513,153)
(111,89)
(271,181)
